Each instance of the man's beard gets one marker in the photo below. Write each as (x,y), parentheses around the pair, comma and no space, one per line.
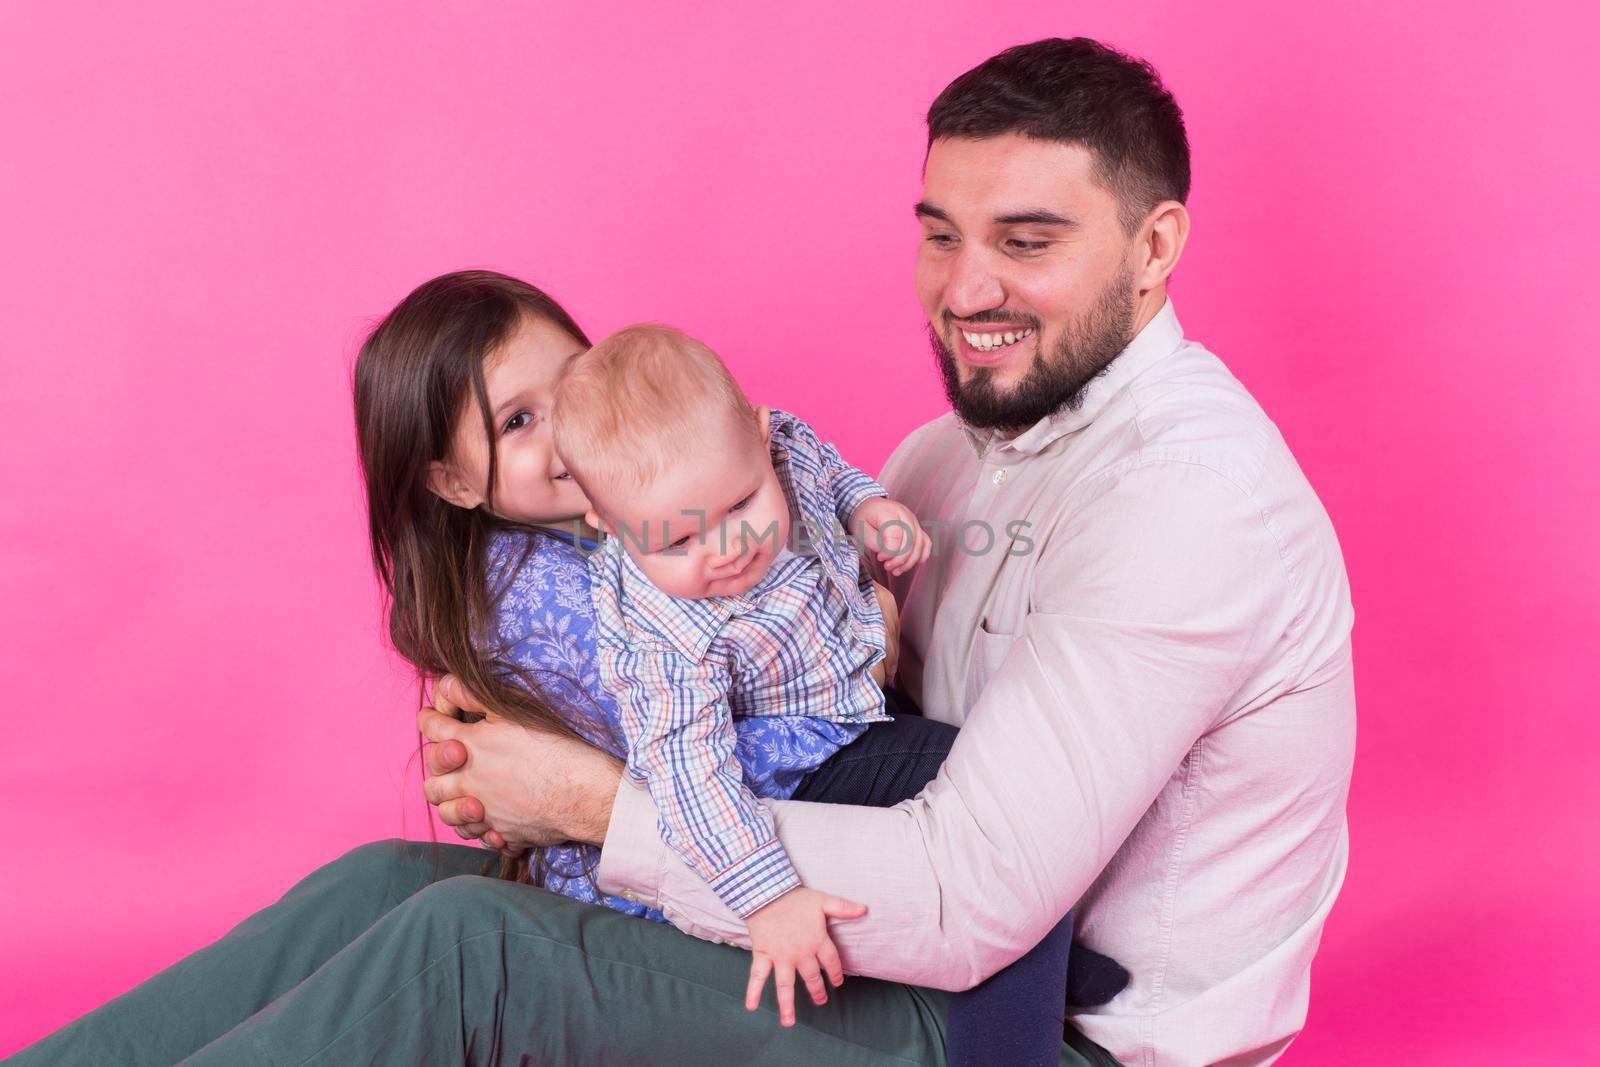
(1053,383)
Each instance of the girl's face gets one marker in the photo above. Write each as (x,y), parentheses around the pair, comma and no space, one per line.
(532,484)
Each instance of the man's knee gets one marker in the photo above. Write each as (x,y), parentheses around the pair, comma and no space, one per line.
(379,862)
(380,871)
(468,904)
(471,894)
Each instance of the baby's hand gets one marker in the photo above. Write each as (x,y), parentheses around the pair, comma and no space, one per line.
(890,530)
(789,935)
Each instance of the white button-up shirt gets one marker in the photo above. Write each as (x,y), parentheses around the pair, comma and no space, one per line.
(1138,614)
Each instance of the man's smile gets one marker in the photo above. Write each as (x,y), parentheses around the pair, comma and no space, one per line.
(990,345)
(989,342)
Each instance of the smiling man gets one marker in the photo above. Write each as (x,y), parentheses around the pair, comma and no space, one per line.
(1150,663)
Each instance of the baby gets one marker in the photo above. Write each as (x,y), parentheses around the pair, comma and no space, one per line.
(723,589)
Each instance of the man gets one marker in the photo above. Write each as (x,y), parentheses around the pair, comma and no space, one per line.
(1138,614)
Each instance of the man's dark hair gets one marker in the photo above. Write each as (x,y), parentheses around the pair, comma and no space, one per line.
(1078,92)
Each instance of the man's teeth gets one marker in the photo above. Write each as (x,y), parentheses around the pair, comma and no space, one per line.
(988,342)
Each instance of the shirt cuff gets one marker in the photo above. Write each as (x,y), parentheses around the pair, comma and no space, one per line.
(631,861)
(853,490)
(756,880)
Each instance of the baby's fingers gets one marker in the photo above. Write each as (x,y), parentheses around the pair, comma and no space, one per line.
(828,956)
(911,555)
(811,974)
(840,908)
(783,980)
(760,967)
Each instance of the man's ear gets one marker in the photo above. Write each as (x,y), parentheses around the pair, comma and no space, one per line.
(447,485)
(764,420)
(1161,244)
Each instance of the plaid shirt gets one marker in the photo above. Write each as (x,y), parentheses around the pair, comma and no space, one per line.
(800,643)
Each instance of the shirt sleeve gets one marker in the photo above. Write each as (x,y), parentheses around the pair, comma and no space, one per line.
(1144,624)
(681,746)
(849,486)
(545,639)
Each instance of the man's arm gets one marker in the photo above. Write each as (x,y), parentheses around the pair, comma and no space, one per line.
(1145,625)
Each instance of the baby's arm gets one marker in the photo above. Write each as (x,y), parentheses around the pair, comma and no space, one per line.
(790,937)
(681,742)
(885,527)
(851,487)
(681,746)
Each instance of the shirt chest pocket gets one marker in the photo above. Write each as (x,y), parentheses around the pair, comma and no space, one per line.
(989,650)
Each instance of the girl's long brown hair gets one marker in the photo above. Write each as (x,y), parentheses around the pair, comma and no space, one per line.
(415,379)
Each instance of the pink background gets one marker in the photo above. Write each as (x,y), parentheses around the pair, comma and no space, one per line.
(1395,215)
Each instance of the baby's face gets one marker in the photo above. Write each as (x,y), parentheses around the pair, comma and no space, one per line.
(711,522)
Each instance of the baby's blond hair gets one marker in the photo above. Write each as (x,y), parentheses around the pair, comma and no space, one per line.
(642,395)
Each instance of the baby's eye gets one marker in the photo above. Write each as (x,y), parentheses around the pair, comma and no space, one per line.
(741,505)
(680,542)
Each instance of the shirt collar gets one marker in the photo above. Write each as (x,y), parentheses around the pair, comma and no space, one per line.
(1160,337)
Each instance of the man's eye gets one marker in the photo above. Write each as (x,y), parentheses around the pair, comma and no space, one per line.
(940,240)
(517,422)
(741,505)
(1028,246)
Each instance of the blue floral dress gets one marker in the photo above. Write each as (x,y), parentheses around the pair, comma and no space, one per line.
(545,621)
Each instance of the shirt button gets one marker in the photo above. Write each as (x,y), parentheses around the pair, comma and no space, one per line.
(1000,476)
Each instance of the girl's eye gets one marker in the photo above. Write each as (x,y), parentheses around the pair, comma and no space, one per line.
(741,505)
(517,422)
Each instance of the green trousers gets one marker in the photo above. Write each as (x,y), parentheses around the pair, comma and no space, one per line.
(402,953)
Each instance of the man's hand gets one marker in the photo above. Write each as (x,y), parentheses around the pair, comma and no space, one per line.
(512,786)
(890,530)
(791,935)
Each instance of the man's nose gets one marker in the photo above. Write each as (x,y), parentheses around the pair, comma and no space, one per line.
(974,285)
